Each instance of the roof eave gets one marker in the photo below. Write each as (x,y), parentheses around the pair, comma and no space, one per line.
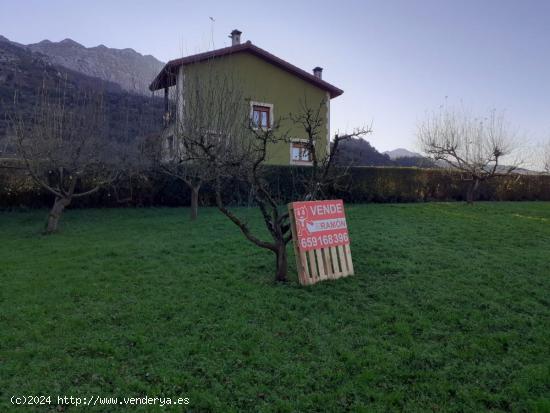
(336,93)
(161,80)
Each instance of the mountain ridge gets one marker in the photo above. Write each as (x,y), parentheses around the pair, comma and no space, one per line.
(402,153)
(125,67)
(24,73)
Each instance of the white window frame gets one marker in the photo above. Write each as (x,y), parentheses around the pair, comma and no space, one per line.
(299,162)
(265,104)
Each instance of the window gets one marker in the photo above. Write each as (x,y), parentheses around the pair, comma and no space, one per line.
(261,116)
(299,152)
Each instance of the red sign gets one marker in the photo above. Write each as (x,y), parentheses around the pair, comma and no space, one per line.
(320,224)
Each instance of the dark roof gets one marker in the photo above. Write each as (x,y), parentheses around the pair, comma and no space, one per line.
(167,77)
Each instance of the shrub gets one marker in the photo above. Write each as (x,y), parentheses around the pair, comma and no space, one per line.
(362,184)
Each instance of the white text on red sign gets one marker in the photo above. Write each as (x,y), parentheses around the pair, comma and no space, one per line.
(320,224)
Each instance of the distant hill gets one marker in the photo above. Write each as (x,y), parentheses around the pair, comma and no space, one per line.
(23,72)
(359,152)
(402,153)
(125,67)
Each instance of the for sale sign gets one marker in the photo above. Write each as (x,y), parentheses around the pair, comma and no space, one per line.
(320,224)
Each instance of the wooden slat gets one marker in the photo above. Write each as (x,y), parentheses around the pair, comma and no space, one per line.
(313,267)
(328,263)
(342,260)
(302,272)
(301,260)
(336,265)
(348,257)
(321,265)
(306,276)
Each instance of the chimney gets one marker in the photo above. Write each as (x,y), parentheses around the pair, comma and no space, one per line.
(318,72)
(235,37)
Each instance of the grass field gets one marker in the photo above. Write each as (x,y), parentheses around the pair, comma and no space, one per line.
(449,311)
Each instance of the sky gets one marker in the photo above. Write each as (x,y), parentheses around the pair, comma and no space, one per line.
(396,61)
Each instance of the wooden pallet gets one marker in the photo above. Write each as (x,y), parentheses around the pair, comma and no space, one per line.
(320,264)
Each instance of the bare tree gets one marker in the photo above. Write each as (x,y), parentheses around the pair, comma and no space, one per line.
(63,146)
(322,175)
(474,147)
(546,158)
(193,176)
(249,167)
(198,124)
(220,139)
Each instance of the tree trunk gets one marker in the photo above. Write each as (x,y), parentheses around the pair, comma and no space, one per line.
(195,202)
(472,190)
(281,263)
(55,213)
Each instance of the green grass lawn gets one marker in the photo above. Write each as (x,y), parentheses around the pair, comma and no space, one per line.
(449,311)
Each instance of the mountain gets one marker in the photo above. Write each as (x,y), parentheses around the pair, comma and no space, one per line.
(126,67)
(402,153)
(5,39)
(404,157)
(359,152)
(23,73)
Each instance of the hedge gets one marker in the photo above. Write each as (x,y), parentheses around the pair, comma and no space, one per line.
(362,184)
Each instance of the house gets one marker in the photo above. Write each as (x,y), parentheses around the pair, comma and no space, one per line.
(274,89)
